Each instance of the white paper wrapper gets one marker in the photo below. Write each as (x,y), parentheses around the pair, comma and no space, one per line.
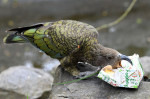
(127,76)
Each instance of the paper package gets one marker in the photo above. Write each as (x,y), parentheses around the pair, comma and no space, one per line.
(128,75)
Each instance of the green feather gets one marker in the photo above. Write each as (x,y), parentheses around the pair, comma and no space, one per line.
(13,38)
(29,32)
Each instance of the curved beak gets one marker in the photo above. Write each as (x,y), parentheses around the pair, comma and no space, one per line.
(124,57)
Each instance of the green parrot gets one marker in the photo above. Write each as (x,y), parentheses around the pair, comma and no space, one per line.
(68,41)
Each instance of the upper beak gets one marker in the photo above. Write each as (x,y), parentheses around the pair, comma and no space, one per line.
(124,57)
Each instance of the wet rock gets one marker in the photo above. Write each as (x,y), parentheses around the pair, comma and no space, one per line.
(94,88)
(25,81)
(145,61)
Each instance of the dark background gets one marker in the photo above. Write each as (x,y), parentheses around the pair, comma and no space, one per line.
(130,36)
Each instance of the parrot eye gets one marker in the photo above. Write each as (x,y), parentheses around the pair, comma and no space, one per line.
(109,57)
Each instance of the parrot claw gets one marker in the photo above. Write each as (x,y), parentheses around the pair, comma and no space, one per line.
(82,75)
(84,66)
(87,73)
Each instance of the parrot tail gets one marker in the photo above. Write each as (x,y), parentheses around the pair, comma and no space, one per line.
(17,36)
(13,38)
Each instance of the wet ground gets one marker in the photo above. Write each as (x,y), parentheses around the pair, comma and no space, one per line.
(130,36)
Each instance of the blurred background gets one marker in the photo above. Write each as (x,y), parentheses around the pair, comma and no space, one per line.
(130,36)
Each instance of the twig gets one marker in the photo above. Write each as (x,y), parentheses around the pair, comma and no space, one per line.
(119,19)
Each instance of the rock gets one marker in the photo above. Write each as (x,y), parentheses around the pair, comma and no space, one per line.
(25,81)
(5,94)
(145,61)
(148,39)
(94,88)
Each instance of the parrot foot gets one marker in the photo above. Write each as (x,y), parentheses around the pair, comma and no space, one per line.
(83,74)
(90,69)
(84,66)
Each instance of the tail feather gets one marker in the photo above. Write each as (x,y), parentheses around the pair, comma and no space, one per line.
(21,29)
(13,38)
(17,37)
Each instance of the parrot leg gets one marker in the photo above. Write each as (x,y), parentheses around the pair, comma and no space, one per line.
(78,69)
(68,64)
(93,69)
